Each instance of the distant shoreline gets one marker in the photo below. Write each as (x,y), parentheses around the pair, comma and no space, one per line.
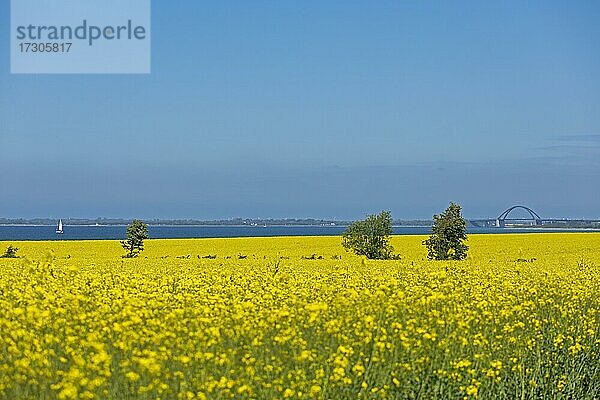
(291,226)
(207,225)
(525,228)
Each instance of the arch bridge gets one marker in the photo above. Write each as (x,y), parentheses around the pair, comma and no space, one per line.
(502,218)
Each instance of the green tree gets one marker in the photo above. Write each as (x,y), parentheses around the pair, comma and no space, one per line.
(137,232)
(11,252)
(448,234)
(370,237)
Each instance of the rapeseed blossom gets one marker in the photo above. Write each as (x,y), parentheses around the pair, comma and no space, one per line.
(79,322)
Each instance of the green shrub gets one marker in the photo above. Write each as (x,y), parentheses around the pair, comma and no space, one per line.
(137,232)
(370,237)
(448,233)
(11,252)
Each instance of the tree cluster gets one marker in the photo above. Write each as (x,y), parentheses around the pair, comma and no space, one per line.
(371,237)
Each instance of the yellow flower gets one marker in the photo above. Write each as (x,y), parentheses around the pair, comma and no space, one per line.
(132,376)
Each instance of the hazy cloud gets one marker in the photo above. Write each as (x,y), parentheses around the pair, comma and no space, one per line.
(552,187)
(580,138)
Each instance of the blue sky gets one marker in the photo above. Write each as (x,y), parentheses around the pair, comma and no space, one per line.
(318,109)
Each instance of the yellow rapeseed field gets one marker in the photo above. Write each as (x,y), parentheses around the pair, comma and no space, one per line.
(300,318)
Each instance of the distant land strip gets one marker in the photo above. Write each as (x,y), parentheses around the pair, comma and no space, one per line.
(194,222)
(576,224)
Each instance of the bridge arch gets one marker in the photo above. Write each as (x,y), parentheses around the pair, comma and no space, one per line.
(502,218)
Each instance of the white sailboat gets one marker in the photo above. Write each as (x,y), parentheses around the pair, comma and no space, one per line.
(59,229)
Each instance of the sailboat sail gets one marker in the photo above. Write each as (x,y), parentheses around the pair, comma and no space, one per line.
(59,229)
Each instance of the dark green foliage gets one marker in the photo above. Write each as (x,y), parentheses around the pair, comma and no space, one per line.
(11,252)
(371,237)
(312,257)
(137,231)
(448,233)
